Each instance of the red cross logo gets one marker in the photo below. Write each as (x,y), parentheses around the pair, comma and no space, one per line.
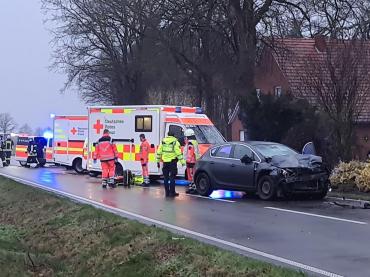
(98,126)
(74,131)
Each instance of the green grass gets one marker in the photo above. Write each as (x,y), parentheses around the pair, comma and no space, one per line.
(44,235)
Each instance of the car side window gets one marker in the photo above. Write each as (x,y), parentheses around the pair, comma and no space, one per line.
(224,151)
(240,151)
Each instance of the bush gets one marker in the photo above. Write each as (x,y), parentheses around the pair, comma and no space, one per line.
(350,177)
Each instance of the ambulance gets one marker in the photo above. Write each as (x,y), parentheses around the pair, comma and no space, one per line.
(21,154)
(70,133)
(126,123)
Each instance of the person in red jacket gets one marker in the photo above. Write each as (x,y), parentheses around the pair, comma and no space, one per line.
(144,158)
(107,153)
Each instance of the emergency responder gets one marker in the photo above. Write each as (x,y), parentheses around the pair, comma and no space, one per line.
(169,152)
(106,152)
(8,150)
(32,150)
(144,158)
(2,156)
(191,155)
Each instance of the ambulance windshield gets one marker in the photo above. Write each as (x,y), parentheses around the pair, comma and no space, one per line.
(207,134)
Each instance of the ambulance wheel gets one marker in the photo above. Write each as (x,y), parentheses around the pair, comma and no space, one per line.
(42,164)
(23,163)
(94,174)
(77,166)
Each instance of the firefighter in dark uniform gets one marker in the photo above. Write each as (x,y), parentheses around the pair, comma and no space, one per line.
(8,150)
(2,156)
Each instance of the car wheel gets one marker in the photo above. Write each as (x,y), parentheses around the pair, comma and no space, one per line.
(23,163)
(77,166)
(203,184)
(266,188)
(322,194)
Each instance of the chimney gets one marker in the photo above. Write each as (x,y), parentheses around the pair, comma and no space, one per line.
(320,43)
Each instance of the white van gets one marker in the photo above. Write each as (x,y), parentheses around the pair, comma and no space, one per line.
(126,123)
(70,133)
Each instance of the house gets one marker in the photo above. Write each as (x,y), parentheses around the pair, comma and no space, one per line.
(281,70)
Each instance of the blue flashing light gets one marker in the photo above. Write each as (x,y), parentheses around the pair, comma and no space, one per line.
(178,110)
(52,115)
(199,110)
(48,135)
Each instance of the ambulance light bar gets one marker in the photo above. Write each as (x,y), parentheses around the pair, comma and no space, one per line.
(199,110)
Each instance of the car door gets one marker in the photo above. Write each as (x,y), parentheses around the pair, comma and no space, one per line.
(240,174)
(220,163)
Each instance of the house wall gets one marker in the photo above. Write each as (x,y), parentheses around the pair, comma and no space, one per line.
(267,76)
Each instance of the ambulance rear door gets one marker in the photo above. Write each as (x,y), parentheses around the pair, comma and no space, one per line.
(61,127)
(77,133)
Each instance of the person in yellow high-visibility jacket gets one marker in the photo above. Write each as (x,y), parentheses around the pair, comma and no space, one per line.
(169,152)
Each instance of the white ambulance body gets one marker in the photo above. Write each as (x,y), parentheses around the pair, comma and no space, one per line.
(126,123)
(70,133)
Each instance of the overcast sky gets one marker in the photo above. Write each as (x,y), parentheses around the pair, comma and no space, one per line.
(28,90)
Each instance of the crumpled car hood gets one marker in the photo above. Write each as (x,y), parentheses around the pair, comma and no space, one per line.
(296,161)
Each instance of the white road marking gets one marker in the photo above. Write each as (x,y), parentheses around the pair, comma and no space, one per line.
(317,215)
(178,228)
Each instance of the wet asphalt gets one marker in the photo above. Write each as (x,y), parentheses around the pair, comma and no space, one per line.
(317,234)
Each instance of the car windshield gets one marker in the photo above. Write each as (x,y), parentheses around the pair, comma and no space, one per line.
(207,134)
(271,150)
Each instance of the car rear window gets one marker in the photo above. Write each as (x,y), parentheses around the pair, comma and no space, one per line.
(224,151)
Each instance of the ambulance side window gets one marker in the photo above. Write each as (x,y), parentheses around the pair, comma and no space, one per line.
(50,143)
(178,132)
(143,123)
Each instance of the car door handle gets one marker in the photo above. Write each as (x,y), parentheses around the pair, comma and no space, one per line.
(233,165)
(212,162)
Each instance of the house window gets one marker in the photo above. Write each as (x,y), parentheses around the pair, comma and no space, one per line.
(278,91)
(242,135)
(143,123)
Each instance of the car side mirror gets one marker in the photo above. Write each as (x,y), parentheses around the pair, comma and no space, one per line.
(246,160)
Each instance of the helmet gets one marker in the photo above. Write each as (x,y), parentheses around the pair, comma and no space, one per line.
(189,133)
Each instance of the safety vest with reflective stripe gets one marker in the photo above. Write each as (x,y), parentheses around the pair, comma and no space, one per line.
(170,150)
(105,150)
(191,151)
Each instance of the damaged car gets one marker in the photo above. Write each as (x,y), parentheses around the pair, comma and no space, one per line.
(269,169)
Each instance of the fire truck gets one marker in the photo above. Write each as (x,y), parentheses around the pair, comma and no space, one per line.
(21,154)
(70,133)
(126,123)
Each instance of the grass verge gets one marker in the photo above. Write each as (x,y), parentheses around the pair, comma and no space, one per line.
(44,235)
(351,195)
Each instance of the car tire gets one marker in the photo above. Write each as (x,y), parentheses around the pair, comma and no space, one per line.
(322,194)
(77,166)
(203,184)
(266,188)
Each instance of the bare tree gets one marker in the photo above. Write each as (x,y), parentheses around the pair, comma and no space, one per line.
(25,129)
(337,81)
(7,123)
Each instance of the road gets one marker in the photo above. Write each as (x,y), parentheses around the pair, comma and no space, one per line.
(313,236)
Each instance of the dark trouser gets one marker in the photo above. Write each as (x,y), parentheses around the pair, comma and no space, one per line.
(8,155)
(169,174)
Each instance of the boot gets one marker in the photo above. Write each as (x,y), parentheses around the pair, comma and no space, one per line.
(111,183)
(104,184)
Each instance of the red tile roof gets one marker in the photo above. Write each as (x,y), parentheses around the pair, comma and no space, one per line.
(292,55)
